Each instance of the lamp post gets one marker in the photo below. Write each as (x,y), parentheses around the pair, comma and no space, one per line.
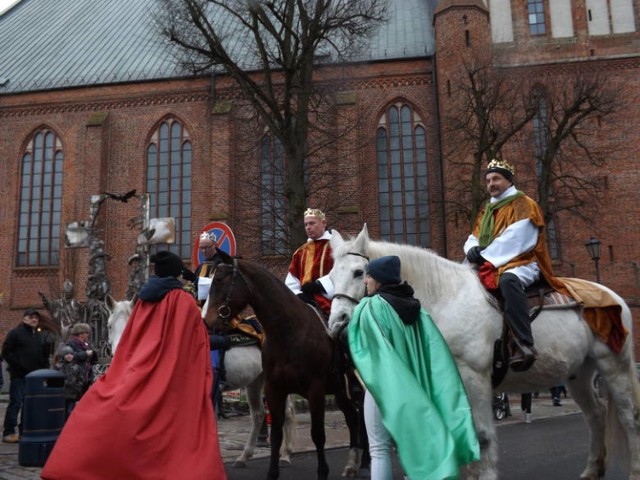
(593,247)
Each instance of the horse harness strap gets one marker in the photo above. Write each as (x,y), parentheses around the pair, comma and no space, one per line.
(223,310)
(344,295)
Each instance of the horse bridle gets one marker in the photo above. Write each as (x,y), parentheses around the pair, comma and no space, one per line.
(224,311)
(344,295)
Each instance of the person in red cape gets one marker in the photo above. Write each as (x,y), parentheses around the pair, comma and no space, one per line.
(149,416)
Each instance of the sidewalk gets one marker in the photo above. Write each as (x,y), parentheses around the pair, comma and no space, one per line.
(234,430)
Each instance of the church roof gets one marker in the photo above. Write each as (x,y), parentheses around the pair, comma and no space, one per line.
(47,44)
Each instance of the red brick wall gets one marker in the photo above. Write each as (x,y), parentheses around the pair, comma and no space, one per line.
(110,155)
(615,59)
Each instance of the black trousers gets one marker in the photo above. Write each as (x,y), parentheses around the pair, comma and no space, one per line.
(516,308)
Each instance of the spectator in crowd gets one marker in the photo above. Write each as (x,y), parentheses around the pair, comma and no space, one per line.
(25,351)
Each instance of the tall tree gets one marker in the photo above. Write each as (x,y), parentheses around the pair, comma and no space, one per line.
(271,50)
(488,108)
(572,129)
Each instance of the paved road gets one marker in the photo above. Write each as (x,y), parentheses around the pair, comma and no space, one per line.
(553,448)
(234,430)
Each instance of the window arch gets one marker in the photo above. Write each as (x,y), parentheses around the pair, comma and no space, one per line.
(169,180)
(40,208)
(401,149)
(272,164)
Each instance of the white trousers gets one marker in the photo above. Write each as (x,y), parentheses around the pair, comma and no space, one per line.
(380,443)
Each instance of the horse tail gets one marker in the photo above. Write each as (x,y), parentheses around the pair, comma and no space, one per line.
(620,447)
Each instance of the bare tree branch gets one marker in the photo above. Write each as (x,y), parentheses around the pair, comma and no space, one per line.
(270,49)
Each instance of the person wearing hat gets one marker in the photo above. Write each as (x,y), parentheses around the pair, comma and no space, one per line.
(153,404)
(219,342)
(308,274)
(509,249)
(206,245)
(24,350)
(83,353)
(74,377)
(414,395)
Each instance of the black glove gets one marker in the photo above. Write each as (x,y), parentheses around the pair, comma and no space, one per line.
(473,255)
(312,288)
(306,298)
(188,275)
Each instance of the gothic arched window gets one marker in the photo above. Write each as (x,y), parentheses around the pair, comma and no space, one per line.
(401,148)
(169,180)
(40,208)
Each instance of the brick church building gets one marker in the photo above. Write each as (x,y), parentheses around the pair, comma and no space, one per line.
(91,101)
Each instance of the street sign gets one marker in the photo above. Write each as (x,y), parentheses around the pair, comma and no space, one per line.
(225,241)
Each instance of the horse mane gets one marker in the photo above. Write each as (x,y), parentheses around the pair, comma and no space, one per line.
(279,293)
(421,267)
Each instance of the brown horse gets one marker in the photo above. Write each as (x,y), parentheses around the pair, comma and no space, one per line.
(298,355)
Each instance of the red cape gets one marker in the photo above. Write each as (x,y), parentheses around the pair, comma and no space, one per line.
(150,416)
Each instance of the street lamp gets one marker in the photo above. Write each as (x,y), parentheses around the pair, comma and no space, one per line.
(593,247)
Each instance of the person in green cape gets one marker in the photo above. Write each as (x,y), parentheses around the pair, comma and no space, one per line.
(415,397)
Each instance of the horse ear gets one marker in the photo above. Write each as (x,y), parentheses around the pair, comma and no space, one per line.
(226,258)
(360,243)
(336,239)
(111,303)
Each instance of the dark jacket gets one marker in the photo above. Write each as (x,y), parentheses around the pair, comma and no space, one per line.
(82,358)
(24,351)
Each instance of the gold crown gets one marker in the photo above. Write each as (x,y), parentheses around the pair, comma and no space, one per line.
(502,164)
(208,236)
(314,212)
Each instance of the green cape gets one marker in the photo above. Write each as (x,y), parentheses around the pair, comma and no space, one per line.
(411,373)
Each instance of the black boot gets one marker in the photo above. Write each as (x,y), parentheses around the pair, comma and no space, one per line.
(516,311)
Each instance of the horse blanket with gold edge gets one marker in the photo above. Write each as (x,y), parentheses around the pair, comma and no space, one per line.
(602,312)
(242,328)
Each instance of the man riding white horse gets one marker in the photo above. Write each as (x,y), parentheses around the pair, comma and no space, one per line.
(508,247)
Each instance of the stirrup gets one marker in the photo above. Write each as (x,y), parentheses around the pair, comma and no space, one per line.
(523,359)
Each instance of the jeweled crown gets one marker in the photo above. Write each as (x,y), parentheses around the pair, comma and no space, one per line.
(314,212)
(502,164)
(208,236)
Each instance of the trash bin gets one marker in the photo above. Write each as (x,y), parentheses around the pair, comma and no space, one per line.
(43,416)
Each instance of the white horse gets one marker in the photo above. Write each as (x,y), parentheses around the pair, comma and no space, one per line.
(569,352)
(243,366)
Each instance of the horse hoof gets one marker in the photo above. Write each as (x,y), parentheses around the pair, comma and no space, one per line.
(350,473)
(285,462)
(239,464)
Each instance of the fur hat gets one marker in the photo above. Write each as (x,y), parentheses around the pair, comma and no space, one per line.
(167,264)
(385,270)
(79,328)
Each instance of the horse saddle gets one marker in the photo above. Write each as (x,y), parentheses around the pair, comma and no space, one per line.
(245,331)
(540,295)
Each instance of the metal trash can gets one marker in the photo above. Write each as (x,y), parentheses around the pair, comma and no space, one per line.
(43,416)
